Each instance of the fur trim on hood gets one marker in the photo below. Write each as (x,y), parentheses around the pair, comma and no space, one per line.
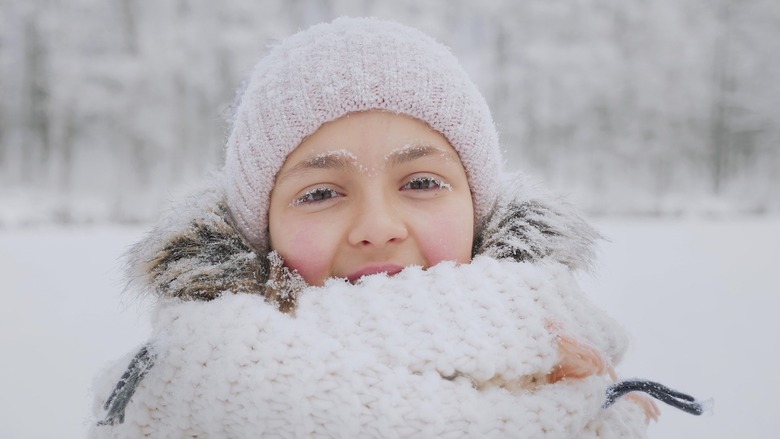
(198,253)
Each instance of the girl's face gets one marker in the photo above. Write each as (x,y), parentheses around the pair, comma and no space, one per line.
(368,193)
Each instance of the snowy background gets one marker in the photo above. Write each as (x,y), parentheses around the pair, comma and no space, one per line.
(633,107)
(660,119)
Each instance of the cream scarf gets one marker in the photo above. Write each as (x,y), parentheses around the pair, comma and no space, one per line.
(452,351)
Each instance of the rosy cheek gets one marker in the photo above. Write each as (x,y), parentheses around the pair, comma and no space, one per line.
(448,240)
(308,255)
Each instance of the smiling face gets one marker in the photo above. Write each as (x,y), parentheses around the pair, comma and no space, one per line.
(371,192)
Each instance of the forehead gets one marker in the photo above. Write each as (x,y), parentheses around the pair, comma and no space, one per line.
(371,139)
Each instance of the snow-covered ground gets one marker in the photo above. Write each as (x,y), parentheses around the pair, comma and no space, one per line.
(699,298)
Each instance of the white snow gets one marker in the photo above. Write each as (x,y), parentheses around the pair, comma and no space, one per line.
(701,301)
(60,322)
(698,297)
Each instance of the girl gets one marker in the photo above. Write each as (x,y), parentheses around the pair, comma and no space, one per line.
(361,268)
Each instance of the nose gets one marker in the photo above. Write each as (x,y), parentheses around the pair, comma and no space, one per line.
(377,223)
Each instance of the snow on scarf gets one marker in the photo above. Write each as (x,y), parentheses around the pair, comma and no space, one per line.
(452,351)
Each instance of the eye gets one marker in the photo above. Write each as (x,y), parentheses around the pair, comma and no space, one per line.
(316,195)
(425,184)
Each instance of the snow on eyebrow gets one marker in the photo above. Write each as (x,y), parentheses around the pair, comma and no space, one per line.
(331,159)
(337,159)
(413,151)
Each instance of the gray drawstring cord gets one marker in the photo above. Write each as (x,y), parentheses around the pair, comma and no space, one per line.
(660,392)
(124,389)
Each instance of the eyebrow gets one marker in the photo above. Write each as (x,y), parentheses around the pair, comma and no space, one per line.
(343,160)
(338,160)
(414,152)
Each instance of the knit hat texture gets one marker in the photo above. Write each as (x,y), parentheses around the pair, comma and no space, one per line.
(349,65)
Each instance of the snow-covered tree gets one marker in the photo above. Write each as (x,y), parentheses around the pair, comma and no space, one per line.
(632,106)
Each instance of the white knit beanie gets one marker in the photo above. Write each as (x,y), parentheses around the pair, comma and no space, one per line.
(333,69)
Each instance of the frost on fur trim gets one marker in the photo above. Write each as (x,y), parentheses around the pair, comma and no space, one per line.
(527,226)
(446,351)
(197,252)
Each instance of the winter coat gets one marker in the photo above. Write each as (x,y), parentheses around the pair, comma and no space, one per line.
(241,347)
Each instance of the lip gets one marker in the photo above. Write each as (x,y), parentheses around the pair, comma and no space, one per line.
(390,269)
